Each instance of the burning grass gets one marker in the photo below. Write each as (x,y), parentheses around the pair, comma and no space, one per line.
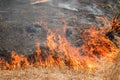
(96,50)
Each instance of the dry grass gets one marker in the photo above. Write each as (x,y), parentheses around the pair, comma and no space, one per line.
(111,72)
(46,74)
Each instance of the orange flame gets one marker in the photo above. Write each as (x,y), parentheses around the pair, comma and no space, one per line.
(60,52)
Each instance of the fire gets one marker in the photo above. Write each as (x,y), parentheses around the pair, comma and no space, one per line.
(38,50)
(58,51)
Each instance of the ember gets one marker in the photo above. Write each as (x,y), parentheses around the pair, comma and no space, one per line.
(58,51)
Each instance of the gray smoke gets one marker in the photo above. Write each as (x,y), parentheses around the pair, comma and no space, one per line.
(73,5)
(65,4)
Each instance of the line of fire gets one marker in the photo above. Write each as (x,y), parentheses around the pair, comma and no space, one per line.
(98,44)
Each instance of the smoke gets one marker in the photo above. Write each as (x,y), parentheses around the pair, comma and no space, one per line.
(38,1)
(73,5)
(65,4)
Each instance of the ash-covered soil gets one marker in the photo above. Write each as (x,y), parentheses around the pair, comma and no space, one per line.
(19,20)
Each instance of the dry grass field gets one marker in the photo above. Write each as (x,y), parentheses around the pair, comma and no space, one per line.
(21,24)
(111,72)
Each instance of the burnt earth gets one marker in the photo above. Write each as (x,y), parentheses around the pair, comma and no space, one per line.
(19,21)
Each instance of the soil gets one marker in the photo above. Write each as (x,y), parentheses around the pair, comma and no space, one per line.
(19,20)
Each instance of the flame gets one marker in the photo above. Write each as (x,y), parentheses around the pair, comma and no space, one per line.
(58,51)
(38,50)
(51,41)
